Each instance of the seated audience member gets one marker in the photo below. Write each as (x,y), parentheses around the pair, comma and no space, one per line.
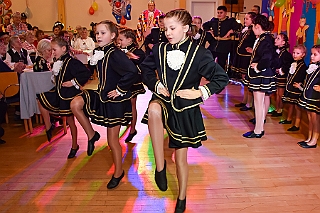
(16,53)
(66,36)
(24,20)
(44,56)
(35,29)
(17,28)
(92,33)
(18,67)
(84,42)
(56,30)
(4,37)
(78,29)
(29,46)
(39,36)
(6,23)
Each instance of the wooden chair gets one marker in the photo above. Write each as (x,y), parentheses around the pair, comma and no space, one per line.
(9,87)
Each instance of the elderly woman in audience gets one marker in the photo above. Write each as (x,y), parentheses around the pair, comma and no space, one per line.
(29,46)
(16,53)
(84,42)
(17,28)
(44,56)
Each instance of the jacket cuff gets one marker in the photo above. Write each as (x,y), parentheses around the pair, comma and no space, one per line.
(75,84)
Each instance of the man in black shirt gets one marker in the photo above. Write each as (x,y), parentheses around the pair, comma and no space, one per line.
(222,28)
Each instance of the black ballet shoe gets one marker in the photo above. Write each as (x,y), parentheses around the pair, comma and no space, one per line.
(251,134)
(130,136)
(245,108)
(271,112)
(114,182)
(307,146)
(161,178)
(293,129)
(73,152)
(91,142)
(301,142)
(276,114)
(285,122)
(180,206)
(49,133)
(240,105)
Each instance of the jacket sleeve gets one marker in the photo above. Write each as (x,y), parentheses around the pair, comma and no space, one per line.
(214,73)
(267,52)
(207,25)
(286,59)
(148,72)
(121,64)
(80,72)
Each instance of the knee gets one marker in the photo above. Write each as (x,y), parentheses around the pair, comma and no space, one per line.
(154,110)
(76,103)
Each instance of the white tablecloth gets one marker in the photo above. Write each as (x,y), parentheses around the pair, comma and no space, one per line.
(32,83)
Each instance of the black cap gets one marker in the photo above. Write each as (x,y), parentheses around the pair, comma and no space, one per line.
(3,33)
(23,15)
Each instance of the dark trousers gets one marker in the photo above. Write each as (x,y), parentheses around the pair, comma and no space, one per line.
(221,59)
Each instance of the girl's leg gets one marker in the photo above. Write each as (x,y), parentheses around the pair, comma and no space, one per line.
(245,95)
(250,98)
(310,126)
(155,126)
(266,106)
(45,115)
(280,92)
(77,108)
(290,111)
(298,116)
(315,129)
(260,111)
(182,171)
(113,141)
(134,115)
(74,131)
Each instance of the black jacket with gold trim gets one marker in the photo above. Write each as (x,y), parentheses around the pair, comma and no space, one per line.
(156,36)
(263,53)
(115,71)
(72,69)
(283,61)
(204,38)
(220,28)
(247,39)
(198,63)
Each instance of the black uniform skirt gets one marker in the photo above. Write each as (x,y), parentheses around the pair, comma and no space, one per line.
(137,88)
(264,81)
(52,102)
(291,94)
(185,129)
(310,99)
(108,114)
(246,79)
(281,81)
(240,64)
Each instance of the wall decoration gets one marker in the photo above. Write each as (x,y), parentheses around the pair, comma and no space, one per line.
(5,6)
(121,10)
(299,19)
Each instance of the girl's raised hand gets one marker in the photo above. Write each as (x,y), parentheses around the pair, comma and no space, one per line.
(189,93)
(113,94)
(316,88)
